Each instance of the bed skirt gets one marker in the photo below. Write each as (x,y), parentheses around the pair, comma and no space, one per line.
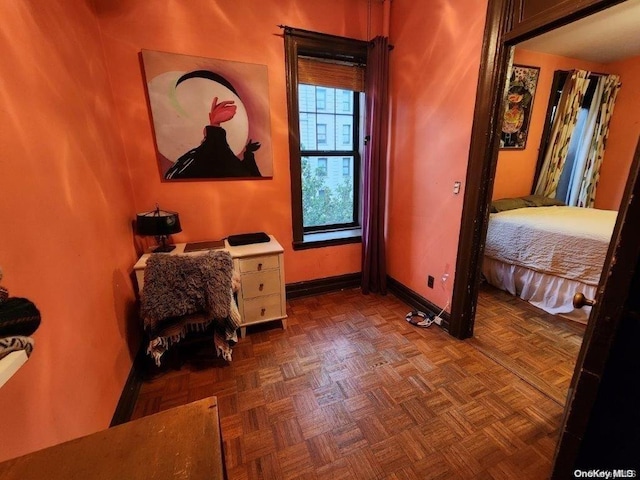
(548,292)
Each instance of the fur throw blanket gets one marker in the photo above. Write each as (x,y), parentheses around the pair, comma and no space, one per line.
(178,285)
(184,294)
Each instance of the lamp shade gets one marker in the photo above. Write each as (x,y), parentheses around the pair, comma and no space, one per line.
(157,223)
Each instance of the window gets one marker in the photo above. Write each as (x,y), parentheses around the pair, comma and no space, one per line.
(346,167)
(569,183)
(321,99)
(346,134)
(321,133)
(321,171)
(346,101)
(325,99)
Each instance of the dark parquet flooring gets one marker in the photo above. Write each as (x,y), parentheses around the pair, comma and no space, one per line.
(352,391)
(539,347)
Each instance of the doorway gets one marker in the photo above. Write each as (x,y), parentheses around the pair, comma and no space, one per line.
(542,346)
(508,23)
(482,168)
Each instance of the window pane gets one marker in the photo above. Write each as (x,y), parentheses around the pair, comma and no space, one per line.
(307,131)
(327,194)
(327,119)
(326,134)
(344,101)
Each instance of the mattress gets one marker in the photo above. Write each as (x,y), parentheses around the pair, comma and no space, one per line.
(568,242)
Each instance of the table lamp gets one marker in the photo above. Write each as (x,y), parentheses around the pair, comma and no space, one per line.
(158,223)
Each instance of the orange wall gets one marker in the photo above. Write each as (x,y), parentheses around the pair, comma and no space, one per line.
(434,74)
(240,31)
(65,215)
(624,132)
(516,168)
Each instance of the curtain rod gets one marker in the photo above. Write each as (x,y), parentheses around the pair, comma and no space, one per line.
(292,30)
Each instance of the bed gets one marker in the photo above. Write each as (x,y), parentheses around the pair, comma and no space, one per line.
(546,254)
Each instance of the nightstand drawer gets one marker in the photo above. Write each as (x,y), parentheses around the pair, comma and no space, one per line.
(262,308)
(260,284)
(257,264)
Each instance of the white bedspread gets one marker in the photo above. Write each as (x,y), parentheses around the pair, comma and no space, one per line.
(568,242)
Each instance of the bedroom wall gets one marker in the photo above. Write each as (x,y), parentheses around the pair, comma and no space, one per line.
(239,31)
(434,74)
(624,132)
(65,212)
(516,168)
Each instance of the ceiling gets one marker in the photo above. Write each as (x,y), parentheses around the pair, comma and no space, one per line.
(604,37)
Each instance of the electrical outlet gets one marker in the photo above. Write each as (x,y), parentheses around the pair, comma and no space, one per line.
(430,280)
(456,187)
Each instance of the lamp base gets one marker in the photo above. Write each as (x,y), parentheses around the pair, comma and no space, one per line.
(163,249)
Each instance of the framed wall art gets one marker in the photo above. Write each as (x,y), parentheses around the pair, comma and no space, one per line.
(519,103)
(210,117)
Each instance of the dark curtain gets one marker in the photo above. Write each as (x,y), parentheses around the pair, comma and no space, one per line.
(374,271)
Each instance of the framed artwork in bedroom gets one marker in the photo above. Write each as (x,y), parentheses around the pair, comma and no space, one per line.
(211,118)
(518,107)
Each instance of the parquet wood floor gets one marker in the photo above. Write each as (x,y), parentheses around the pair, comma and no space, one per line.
(352,391)
(539,347)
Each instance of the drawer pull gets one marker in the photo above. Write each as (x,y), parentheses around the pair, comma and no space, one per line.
(259,266)
(263,311)
(261,287)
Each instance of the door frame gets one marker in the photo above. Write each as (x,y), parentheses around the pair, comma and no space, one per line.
(503,30)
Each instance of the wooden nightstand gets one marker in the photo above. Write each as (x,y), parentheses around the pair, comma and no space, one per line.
(261,297)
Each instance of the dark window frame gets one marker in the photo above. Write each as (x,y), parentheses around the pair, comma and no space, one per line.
(302,42)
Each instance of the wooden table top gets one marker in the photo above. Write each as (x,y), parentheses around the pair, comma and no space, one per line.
(180,443)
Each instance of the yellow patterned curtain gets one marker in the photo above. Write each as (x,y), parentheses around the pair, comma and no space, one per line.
(563,124)
(587,195)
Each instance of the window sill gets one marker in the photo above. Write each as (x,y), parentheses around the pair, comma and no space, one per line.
(329,239)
